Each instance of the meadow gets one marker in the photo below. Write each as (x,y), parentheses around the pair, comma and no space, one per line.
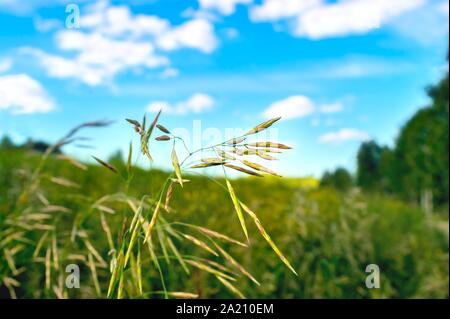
(59,211)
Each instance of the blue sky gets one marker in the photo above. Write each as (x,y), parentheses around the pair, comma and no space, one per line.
(339,72)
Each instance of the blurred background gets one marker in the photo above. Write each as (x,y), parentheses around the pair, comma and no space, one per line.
(362,89)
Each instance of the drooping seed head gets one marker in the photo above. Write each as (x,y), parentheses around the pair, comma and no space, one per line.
(163,129)
(163,138)
(263,126)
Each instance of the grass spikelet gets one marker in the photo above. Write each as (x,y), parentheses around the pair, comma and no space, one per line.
(55,252)
(72,161)
(236,141)
(213,160)
(263,126)
(93,269)
(174,180)
(55,209)
(163,138)
(270,145)
(163,129)
(205,165)
(243,170)
(48,268)
(168,197)
(144,122)
(176,166)
(231,287)
(9,260)
(64,182)
(162,243)
(152,125)
(235,264)
(209,269)
(177,254)
(214,234)
(237,207)
(108,166)
(40,244)
(134,122)
(130,157)
(266,156)
(107,231)
(95,253)
(225,155)
(139,269)
(183,295)
(260,168)
(242,152)
(152,223)
(105,209)
(200,244)
(267,238)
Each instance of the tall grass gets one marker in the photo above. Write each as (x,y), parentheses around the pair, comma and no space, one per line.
(47,234)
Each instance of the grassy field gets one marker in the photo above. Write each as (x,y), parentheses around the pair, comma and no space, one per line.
(329,237)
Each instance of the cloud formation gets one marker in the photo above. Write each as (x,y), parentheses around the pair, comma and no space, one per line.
(299,106)
(5,65)
(113,40)
(197,103)
(225,7)
(292,107)
(22,94)
(318,19)
(343,135)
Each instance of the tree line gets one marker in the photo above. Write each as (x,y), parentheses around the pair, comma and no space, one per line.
(416,168)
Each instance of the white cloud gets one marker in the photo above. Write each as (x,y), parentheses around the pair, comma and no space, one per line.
(113,40)
(119,21)
(358,66)
(195,34)
(299,106)
(201,14)
(5,65)
(293,107)
(23,95)
(335,107)
(98,58)
(197,103)
(46,25)
(225,7)
(346,134)
(273,10)
(427,26)
(350,17)
(170,73)
(317,19)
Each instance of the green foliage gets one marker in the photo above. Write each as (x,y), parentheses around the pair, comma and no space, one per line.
(419,163)
(340,179)
(368,159)
(329,236)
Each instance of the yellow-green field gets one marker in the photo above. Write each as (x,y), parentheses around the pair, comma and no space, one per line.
(327,236)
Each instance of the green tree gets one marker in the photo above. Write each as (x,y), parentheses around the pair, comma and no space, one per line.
(421,155)
(369,161)
(340,179)
(6,143)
